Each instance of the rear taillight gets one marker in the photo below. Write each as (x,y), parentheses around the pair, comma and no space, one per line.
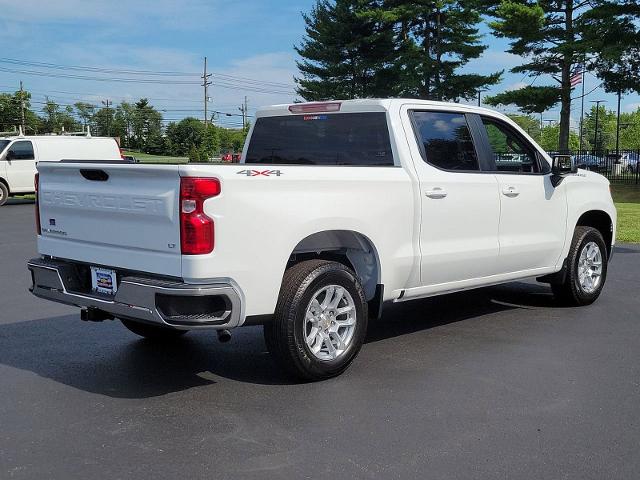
(196,229)
(36,185)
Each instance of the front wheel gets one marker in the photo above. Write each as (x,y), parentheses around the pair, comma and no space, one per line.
(586,269)
(153,332)
(320,320)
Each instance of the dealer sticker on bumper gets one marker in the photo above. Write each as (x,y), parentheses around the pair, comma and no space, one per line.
(103,280)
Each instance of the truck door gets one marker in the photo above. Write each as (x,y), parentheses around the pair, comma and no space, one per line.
(460,205)
(533,218)
(21,166)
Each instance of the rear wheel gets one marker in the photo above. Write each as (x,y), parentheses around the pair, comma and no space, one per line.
(4,194)
(586,269)
(153,332)
(320,320)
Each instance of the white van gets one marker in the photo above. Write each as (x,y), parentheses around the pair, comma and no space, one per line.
(19,154)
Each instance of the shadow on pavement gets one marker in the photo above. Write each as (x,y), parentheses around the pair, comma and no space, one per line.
(106,359)
(19,201)
(404,318)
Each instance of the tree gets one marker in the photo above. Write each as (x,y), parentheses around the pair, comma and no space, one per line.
(434,39)
(529,99)
(11,115)
(85,112)
(549,139)
(232,139)
(630,130)
(547,35)
(210,142)
(606,129)
(57,120)
(194,154)
(147,126)
(529,124)
(345,54)
(123,123)
(617,61)
(103,119)
(184,136)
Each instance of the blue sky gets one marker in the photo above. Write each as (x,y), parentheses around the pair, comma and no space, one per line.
(250,42)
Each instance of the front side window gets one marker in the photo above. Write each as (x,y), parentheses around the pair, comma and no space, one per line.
(321,139)
(22,150)
(511,153)
(446,140)
(3,144)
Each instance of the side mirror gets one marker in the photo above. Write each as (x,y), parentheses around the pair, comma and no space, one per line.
(563,165)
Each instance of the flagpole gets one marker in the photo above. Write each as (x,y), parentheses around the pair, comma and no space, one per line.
(582,108)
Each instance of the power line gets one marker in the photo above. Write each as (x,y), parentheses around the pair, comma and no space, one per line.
(27,63)
(144,81)
(98,79)
(56,66)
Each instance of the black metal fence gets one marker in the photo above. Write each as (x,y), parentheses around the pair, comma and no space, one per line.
(621,167)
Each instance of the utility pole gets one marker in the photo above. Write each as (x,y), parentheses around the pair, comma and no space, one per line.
(205,84)
(107,103)
(243,108)
(24,126)
(595,139)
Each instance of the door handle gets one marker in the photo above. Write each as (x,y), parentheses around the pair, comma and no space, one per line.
(510,191)
(437,192)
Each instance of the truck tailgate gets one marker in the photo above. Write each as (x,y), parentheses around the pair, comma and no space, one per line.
(117,215)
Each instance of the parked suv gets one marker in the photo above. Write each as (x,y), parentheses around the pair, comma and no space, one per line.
(336,208)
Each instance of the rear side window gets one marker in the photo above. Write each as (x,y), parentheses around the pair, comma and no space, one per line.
(446,140)
(333,139)
(22,150)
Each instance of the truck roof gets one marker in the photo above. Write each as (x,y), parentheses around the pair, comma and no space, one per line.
(367,105)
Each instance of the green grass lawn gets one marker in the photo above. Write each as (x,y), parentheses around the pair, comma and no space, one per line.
(147,158)
(627,200)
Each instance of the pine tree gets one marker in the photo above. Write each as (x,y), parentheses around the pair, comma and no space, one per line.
(434,40)
(553,37)
(345,54)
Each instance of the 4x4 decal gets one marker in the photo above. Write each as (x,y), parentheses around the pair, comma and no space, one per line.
(258,173)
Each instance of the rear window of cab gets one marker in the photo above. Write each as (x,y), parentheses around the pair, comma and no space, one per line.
(321,139)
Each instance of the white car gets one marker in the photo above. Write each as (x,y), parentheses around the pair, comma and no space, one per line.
(19,155)
(335,208)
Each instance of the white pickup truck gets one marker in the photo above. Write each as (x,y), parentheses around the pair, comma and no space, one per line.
(335,208)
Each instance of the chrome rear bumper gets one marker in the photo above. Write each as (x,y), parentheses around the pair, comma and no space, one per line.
(147,299)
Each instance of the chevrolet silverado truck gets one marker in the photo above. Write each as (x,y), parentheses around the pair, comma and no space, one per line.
(336,208)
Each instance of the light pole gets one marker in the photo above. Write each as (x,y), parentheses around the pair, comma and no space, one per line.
(595,138)
(480,90)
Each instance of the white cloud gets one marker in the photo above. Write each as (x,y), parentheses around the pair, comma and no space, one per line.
(516,86)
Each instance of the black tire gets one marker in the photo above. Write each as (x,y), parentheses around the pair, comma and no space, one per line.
(571,293)
(284,336)
(153,332)
(4,194)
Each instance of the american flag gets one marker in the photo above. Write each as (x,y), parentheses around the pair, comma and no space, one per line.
(576,76)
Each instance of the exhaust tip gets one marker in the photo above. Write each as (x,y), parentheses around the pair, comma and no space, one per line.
(94,315)
(224,336)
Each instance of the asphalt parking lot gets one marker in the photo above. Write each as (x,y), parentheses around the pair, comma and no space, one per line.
(494,383)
